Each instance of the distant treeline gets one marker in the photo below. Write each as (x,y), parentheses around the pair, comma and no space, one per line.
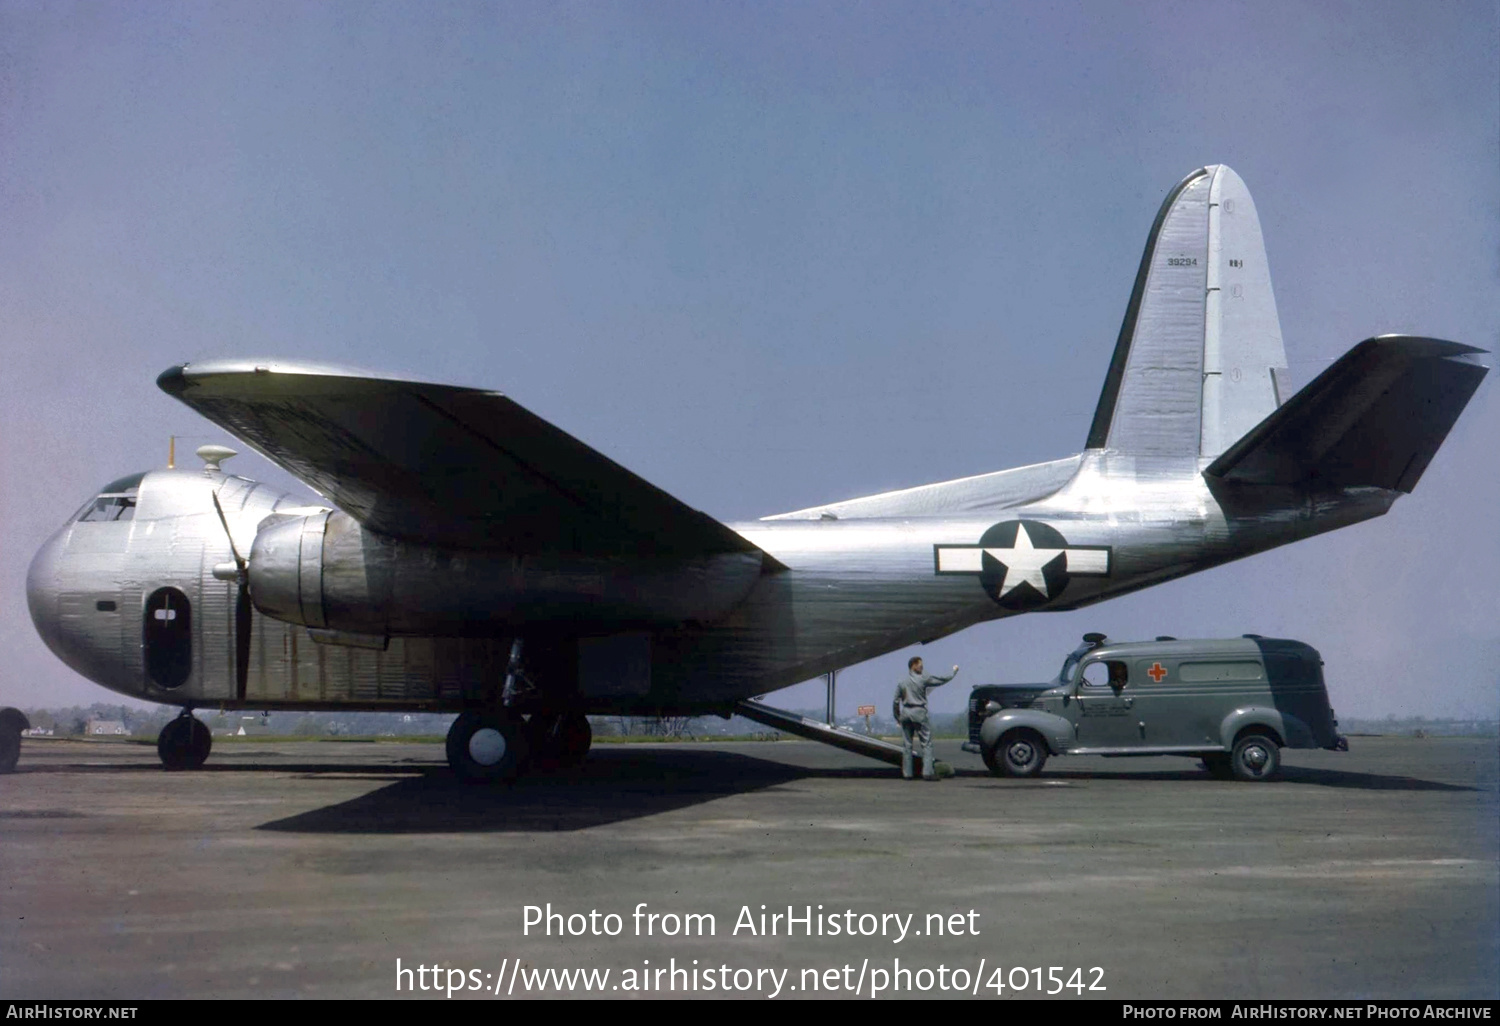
(73,721)
(1421,726)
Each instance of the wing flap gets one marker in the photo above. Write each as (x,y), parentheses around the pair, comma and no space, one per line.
(444,465)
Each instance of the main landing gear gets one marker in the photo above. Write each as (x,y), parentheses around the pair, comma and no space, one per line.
(503,742)
(559,740)
(501,745)
(184,743)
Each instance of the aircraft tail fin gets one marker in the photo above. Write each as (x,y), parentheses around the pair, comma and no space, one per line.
(1199,360)
(1375,418)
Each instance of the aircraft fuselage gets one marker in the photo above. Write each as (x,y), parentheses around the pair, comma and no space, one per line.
(374,622)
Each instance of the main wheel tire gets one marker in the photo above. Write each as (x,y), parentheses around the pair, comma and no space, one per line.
(10,749)
(184,743)
(1021,753)
(541,742)
(574,739)
(558,740)
(1217,764)
(487,746)
(988,755)
(1255,757)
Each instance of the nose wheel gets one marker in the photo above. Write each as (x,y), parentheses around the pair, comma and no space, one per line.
(12,722)
(184,743)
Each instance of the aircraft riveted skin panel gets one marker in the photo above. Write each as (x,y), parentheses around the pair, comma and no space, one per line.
(1157,412)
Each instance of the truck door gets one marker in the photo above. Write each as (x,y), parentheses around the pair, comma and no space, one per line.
(1106,713)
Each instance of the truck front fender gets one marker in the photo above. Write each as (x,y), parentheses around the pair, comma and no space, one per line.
(1056,731)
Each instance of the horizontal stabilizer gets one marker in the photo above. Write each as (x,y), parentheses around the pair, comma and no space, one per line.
(1373,419)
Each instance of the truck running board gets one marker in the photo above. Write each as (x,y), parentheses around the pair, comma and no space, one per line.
(839,737)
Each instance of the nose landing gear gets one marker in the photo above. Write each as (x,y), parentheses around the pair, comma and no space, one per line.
(184,743)
(12,722)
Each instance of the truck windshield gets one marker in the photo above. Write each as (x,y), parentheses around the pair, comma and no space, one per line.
(1070,665)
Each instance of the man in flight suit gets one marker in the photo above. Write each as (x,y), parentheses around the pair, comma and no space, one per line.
(911,713)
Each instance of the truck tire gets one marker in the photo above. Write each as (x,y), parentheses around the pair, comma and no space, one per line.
(1020,753)
(1255,757)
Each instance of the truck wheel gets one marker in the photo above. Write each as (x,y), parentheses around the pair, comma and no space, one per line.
(1255,757)
(1021,753)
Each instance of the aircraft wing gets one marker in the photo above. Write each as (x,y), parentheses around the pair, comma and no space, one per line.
(443,465)
(1375,418)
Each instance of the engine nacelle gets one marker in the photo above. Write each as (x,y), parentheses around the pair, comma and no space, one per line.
(327,571)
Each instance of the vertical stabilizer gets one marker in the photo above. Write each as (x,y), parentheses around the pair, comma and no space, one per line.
(1194,366)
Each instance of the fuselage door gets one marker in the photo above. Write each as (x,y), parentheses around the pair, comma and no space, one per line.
(169,638)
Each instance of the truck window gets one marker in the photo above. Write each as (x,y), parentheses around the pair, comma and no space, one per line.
(1110,673)
(1208,672)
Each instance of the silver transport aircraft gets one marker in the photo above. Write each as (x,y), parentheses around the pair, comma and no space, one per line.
(470,557)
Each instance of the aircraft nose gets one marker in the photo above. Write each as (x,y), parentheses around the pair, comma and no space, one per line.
(43,589)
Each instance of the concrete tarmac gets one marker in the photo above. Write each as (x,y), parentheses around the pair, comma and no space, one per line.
(310,868)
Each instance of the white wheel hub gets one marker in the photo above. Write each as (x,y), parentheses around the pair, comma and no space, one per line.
(486,746)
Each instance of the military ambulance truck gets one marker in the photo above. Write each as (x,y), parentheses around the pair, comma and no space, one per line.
(1232,703)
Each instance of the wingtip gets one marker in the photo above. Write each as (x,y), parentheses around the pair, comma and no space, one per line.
(173,380)
(1425,345)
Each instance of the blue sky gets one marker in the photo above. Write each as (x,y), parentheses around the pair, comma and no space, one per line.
(764,255)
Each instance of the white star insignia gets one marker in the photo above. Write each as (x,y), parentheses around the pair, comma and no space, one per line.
(1024,563)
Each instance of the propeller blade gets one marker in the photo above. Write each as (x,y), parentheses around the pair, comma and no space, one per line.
(242,611)
(242,640)
(239,560)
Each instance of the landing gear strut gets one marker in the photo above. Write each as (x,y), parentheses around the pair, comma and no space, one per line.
(184,743)
(487,746)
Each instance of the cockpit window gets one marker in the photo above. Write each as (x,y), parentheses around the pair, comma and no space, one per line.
(109,507)
(129,483)
(115,502)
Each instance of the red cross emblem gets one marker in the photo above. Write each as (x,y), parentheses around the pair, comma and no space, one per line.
(1157,672)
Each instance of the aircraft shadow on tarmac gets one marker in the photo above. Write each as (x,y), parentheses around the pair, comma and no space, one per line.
(619,784)
(611,786)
